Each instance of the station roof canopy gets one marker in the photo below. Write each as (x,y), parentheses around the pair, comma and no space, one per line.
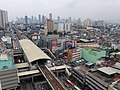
(32,52)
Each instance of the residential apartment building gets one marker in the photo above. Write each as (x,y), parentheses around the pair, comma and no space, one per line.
(50,25)
(3,18)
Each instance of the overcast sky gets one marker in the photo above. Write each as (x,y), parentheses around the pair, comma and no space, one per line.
(95,9)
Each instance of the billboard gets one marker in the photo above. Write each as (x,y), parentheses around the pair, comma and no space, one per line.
(70,44)
(54,43)
(69,55)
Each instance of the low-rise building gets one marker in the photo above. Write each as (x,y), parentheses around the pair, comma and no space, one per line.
(8,72)
(115,45)
(93,54)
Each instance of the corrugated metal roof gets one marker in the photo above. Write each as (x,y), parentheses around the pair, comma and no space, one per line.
(108,70)
(22,65)
(32,52)
(28,73)
(3,57)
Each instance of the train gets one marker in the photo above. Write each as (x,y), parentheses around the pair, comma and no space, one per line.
(76,88)
(72,84)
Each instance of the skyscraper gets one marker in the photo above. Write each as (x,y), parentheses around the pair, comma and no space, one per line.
(68,24)
(88,22)
(32,18)
(50,16)
(0,18)
(3,18)
(39,18)
(26,20)
(58,19)
(43,19)
(79,22)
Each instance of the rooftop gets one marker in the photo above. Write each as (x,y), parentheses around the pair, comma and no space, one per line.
(85,40)
(6,62)
(106,74)
(108,70)
(117,85)
(3,57)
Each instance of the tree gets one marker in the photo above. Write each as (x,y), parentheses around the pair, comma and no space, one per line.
(55,32)
(49,33)
(60,34)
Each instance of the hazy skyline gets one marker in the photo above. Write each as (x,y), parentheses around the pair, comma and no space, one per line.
(94,9)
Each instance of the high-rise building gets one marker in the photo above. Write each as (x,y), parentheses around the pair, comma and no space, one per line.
(32,18)
(61,27)
(69,19)
(3,18)
(43,19)
(55,26)
(26,20)
(99,23)
(50,16)
(39,18)
(58,19)
(50,25)
(0,18)
(68,25)
(79,22)
(88,22)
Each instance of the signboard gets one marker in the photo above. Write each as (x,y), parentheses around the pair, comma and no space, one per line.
(70,44)
(88,44)
(54,43)
(69,55)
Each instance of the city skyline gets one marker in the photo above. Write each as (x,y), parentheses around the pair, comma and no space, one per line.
(94,9)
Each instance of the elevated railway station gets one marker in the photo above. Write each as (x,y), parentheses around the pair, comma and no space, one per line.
(31,66)
(36,58)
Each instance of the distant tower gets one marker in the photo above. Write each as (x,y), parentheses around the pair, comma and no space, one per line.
(39,18)
(79,22)
(32,18)
(70,19)
(26,20)
(43,19)
(58,19)
(50,16)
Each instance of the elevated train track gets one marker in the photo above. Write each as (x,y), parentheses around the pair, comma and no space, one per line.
(50,77)
(20,35)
